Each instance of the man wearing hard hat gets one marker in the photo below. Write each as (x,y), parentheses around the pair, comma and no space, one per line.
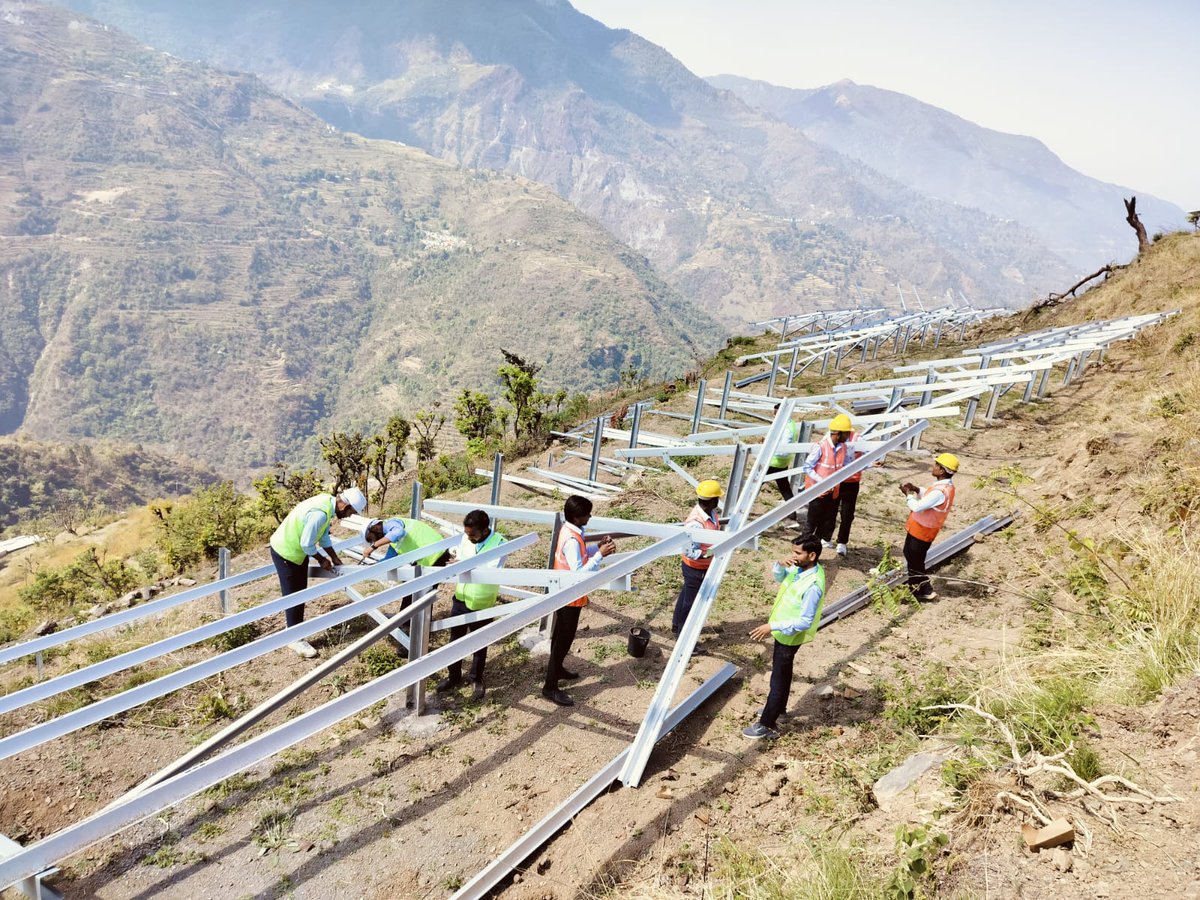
(698,557)
(304,534)
(927,511)
(829,455)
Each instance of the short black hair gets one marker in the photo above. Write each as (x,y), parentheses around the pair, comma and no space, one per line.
(577,507)
(809,543)
(477,518)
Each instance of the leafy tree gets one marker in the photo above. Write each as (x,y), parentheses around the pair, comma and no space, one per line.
(385,457)
(194,528)
(428,424)
(476,420)
(519,378)
(283,489)
(346,452)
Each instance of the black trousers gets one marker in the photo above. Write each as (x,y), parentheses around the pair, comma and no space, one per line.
(847,504)
(784,484)
(915,551)
(692,579)
(822,514)
(566,623)
(479,660)
(292,578)
(782,663)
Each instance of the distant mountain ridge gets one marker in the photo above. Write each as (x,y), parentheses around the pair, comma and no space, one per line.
(945,156)
(740,212)
(190,261)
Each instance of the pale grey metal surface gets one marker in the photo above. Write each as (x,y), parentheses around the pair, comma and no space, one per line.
(222,574)
(34,886)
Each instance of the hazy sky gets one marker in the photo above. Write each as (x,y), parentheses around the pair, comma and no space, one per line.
(1112,87)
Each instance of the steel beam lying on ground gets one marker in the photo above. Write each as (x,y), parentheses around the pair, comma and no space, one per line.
(103,825)
(497,870)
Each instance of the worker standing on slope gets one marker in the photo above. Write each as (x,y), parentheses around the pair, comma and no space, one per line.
(478,536)
(571,554)
(304,533)
(794,621)
(782,463)
(695,561)
(928,508)
(831,453)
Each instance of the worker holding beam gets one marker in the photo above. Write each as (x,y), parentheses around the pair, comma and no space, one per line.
(928,508)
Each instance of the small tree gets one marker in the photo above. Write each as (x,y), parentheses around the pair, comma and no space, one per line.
(427,424)
(475,419)
(519,378)
(346,452)
(283,489)
(193,529)
(385,457)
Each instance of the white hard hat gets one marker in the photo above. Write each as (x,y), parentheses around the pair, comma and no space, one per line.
(355,498)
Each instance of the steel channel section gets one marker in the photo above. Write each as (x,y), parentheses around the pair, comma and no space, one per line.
(140,655)
(725,394)
(497,870)
(736,473)
(680,471)
(72,839)
(497,477)
(597,437)
(673,673)
(103,709)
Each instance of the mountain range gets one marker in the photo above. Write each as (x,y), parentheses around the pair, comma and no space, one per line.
(190,261)
(742,213)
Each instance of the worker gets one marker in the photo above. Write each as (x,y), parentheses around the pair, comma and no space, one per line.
(304,534)
(478,536)
(928,508)
(403,536)
(794,621)
(782,463)
(831,453)
(571,554)
(698,557)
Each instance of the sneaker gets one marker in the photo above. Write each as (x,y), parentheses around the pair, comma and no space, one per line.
(557,697)
(478,690)
(758,731)
(303,649)
(841,550)
(828,545)
(448,684)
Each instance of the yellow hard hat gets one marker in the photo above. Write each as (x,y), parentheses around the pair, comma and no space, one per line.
(707,490)
(841,422)
(947,461)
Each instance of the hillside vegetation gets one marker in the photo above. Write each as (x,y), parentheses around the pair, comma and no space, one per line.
(192,262)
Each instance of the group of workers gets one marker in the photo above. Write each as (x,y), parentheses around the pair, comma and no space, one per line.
(795,614)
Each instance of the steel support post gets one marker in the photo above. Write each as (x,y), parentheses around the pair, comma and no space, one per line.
(418,494)
(937,334)
(784,328)
(736,472)
(635,426)
(825,363)
(594,463)
(725,394)
(907,335)
(1083,363)
(37,658)
(927,397)
(546,623)
(1070,376)
(222,574)
(969,418)
(1029,386)
(993,399)
(866,346)
(771,381)
(792,366)
(962,332)
(702,385)
(418,646)
(497,477)
(878,344)
(1043,383)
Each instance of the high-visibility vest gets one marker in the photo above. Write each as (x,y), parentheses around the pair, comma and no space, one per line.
(418,534)
(697,516)
(857,476)
(478,596)
(832,457)
(286,539)
(560,556)
(785,459)
(789,605)
(925,525)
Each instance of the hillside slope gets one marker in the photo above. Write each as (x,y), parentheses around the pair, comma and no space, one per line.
(190,261)
(742,213)
(942,155)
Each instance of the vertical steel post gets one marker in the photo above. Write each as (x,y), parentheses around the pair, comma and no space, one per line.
(37,657)
(497,477)
(837,362)
(774,374)
(636,426)
(417,499)
(725,394)
(866,347)
(878,344)
(1028,395)
(783,332)
(736,472)
(969,418)
(962,332)
(1083,363)
(825,363)
(547,622)
(418,646)
(594,463)
(907,334)
(1043,382)
(895,399)
(795,362)
(222,574)
(937,335)
(1070,371)
(927,397)
(698,412)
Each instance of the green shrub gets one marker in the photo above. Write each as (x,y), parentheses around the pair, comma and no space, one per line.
(236,637)
(194,529)
(448,473)
(379,660)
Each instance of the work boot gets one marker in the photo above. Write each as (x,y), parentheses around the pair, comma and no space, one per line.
(448,684)
(303,649)
(478,689)
(560,698)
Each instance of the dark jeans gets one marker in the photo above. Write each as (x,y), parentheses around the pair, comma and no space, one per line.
(782,663)
(847,502)
(479,660)
(566,622)
(822,513)
(915,551)
(692,579)
(292,578)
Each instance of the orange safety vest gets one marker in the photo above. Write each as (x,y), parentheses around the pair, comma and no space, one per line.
(560,556)
(925,525)
(697,516)
(857,476)
(831,459)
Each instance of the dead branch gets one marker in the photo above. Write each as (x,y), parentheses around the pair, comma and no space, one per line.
(1053,299)
(1135,223)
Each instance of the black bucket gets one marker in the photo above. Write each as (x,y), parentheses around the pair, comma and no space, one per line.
(639,640)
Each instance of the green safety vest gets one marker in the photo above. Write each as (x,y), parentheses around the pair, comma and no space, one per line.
(417,535)
(286,539)
(789,604)
(478,596)
(784,460)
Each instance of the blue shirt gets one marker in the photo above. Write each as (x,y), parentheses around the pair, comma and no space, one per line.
(808,611)
(571,552)
(313,523)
